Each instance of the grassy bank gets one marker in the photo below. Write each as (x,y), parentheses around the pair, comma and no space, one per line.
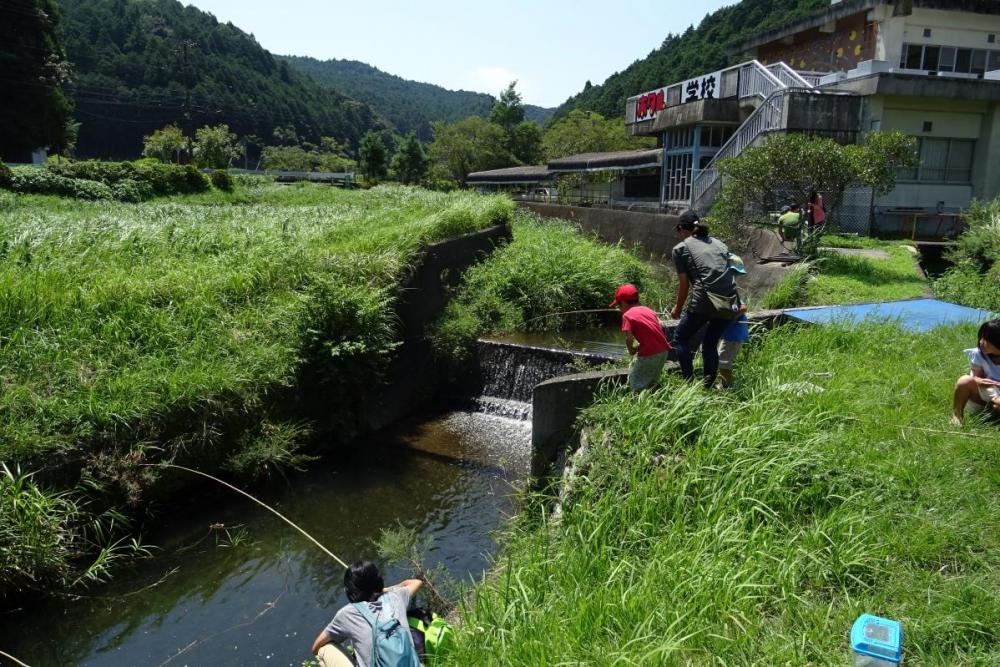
(753,527)
(834,278)
(974,280)
(550,268)
(181,325)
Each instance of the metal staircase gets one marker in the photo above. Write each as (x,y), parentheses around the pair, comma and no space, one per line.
(768,89)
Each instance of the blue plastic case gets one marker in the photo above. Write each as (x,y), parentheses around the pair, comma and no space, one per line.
(876,637)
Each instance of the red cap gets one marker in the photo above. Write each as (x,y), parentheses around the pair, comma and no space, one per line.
(626,293)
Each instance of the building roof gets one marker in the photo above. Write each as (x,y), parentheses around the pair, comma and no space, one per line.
(847,8)
(605,161)
(524,174)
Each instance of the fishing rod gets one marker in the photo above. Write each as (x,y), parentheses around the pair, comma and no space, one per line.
(15,660)
(572,312)
(278,514)
(259,502)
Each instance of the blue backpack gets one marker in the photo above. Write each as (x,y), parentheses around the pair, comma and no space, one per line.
(392,645)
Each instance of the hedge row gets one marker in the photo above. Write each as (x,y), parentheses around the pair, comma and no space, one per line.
(122,181)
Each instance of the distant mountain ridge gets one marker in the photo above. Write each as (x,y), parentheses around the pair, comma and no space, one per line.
(409,105)
(695,51)
(136,62)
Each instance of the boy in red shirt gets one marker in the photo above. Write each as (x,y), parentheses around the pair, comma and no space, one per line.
(644,338)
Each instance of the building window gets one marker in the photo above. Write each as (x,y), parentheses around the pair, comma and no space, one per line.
(942,161)
(927,32)
(936,58)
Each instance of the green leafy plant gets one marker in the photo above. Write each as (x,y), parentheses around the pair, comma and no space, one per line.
(221,180)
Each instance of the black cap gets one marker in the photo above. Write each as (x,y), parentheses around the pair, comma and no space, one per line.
(689,217)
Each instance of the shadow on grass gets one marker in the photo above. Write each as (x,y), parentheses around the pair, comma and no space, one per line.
(869,271)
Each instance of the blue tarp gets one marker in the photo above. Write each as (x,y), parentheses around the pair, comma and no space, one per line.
(913,314)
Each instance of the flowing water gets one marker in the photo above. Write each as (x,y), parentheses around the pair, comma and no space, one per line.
(230,584)
(259,593)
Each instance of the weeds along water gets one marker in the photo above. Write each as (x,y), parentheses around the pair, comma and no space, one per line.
(752,528)
(177,325)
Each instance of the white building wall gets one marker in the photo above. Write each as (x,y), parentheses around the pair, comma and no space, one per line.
(948,28)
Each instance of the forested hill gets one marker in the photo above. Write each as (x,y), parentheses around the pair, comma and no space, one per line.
(697,50)
(134,61)
(410,105)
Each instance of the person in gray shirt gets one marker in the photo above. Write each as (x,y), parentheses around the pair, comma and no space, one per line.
(363,583)
(702,264)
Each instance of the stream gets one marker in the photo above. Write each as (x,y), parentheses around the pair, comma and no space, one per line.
(259,593)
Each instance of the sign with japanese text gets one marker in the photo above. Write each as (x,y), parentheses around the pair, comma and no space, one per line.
(705,87)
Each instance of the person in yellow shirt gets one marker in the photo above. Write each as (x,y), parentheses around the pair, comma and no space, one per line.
(789,222)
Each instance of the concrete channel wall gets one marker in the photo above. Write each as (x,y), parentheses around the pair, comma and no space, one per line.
(654,232)
(413,376)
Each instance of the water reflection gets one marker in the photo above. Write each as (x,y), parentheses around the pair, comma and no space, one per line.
(262,600)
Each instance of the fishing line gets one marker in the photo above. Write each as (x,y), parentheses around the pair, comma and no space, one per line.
(259,502)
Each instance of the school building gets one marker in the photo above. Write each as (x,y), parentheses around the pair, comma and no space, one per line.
(929,68)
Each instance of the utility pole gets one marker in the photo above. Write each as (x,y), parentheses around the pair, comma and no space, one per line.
(188,83)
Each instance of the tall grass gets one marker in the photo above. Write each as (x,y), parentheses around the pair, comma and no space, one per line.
(549,268)
(188,324)
(975,278)
(752,528)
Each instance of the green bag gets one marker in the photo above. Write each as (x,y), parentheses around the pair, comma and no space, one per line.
(439,637)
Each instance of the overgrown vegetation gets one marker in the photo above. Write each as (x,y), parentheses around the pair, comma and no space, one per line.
(753,527)
(549,268)
(50,539)
(974,280)
(124,181)
(175,329)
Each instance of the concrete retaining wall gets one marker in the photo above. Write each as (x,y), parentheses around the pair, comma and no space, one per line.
(653,232)
(413,376)
(555,405)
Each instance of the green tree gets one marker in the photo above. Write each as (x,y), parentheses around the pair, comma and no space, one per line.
(763,177)
(411,161)
(373,155)
(165,144)
(215,146)
(472,144)
(508,110)
(588,132)
(526,142)
(34,111)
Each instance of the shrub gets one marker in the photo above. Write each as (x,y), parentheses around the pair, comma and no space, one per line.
(981,241)
(31,180)
(222,180)
(132,191)
(964,284)
(151,178)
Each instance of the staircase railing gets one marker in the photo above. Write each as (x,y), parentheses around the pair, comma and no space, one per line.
(766,118)
(788,76)
(757,81)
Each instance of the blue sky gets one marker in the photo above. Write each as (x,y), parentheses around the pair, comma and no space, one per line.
(550,46)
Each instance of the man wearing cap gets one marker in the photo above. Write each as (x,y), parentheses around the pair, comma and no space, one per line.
(644,338)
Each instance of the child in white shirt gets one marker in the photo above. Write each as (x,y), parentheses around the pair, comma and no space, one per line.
(980,389)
